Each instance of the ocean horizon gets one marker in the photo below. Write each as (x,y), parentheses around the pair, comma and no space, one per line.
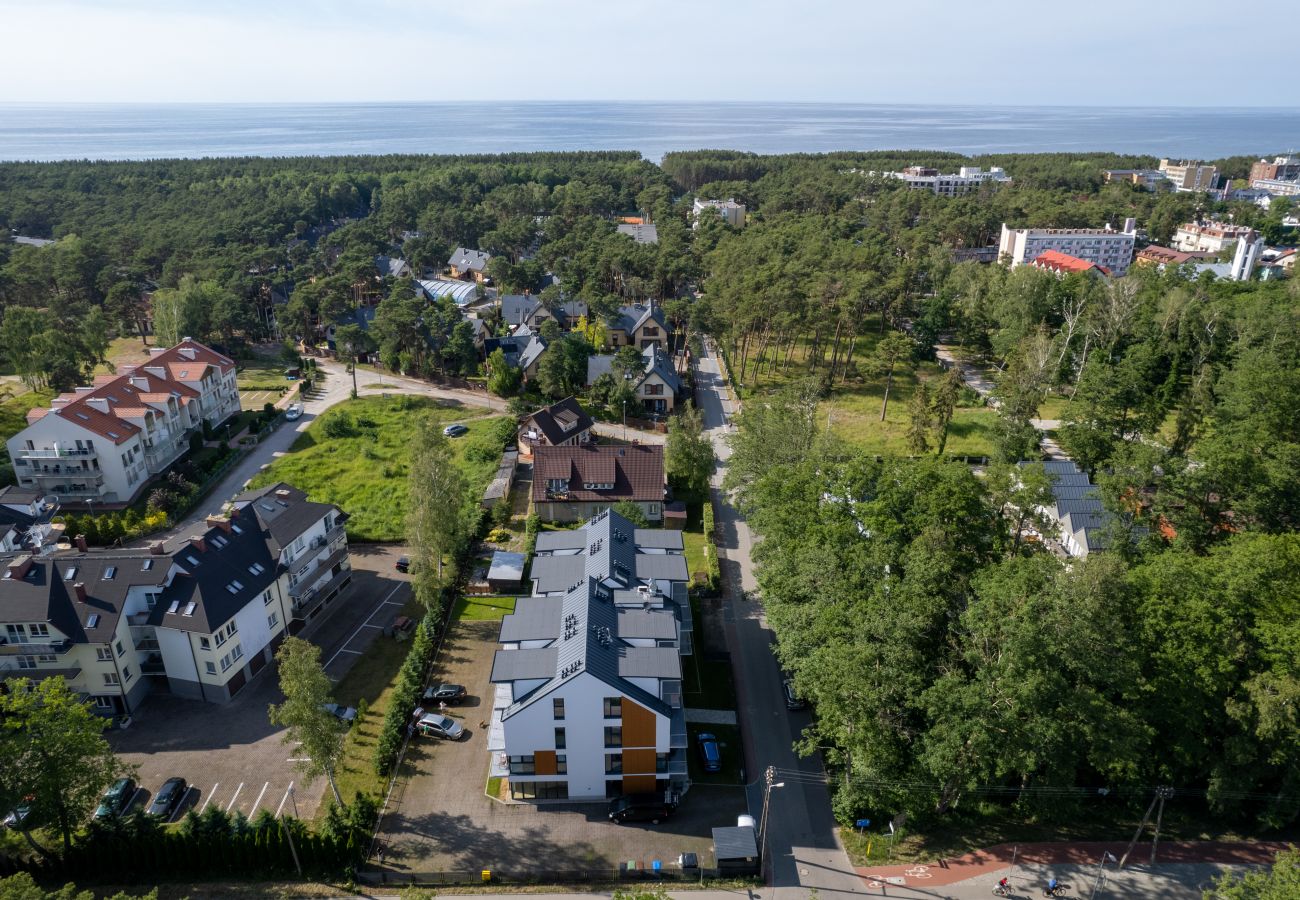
(47,132)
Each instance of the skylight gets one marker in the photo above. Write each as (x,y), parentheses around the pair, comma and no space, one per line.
(236,529)
(70,573)
(93,620)
(176,604)
(256,569)
(189,609)
(109,573)
(147,565)
(191,560)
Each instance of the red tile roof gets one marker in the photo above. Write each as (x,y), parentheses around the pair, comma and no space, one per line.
(1064,263)
(192,352)
(636,472)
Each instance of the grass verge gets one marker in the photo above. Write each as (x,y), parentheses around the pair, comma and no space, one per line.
(483,609)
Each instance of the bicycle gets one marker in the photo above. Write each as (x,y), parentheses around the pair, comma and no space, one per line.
(1000,891)
(1059,891)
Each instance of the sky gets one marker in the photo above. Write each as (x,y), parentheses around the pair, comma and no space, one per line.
(994,52)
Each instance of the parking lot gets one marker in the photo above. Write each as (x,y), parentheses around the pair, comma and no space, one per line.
(230,754)
(443,821)
(258,399)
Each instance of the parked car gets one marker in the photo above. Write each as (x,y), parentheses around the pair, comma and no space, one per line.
(294,411)
(403,564)
(792,700)
(168,798)
(652,808)
(403,627)
(116,799)
(451,694)
(17,817)
(455,430)
(439,726)
(345,714)
(710,752)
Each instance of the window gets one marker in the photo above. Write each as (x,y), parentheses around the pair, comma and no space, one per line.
(539,790)
(26,662)
(557,707)
(232,627)
(225,662)
(654,390)
(151,600)
(103,702)
(211,667)
(273,620)
(119,648)
(522,765)
(221,637)
(613,736)
(47,658)
(40,630)
(205,644)
(238,652)
(103,654)
(613,707)
(560,739)
(613,763)
(266,597)
(109,573)
(110,678)
(126,673)
(561,764)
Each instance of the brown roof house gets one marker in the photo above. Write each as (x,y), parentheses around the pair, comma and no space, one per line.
(558,425)
(573,483)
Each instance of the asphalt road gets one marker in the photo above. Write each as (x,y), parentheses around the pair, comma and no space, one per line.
(803,850)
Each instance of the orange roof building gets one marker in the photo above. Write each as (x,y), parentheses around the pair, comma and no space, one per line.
(1065,264)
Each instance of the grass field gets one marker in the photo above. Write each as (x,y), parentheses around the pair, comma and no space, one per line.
(366,471)
(13,411)
(126,351)
(483,609)
(853,409)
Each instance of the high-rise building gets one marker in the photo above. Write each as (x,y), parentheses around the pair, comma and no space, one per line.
(1105,247)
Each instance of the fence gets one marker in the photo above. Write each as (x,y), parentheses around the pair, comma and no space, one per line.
(596,876)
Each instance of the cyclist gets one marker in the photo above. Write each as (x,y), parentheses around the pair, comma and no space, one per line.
(1052,885)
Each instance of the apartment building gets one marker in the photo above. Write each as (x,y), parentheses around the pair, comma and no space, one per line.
(1210,237)
(588,701)
(967,179)
(1100,246)
(1187,175)
(730,211)
(198,621)
(104,442)
(1147,179)
(575,482)
(1282,168)
(1278,187)
(1062,264)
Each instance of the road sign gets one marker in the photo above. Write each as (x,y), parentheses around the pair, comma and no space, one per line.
(863,823)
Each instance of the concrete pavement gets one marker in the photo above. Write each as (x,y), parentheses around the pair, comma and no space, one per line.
(804,852)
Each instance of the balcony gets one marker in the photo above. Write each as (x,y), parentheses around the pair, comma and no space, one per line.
(153,665)
(55,453)
(312,561)
(675,764)
(49,648)
(80,476)
(307,600)
(10,670)
(677,737)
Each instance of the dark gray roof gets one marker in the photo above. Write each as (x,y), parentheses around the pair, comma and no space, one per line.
(1074,491)
(649,662)
(391,266)
(556,573)
(518,309)
(216,582)
(47,592)
(659,363)
(735,842)
(506,566)
(647,624)
(1082,505)
(598,365)
(532,351)
(659,538)
(283,512)
(469,260)
(666,566)
(561,421)
(534,619)
(630,318)
(524,665)
(566,539)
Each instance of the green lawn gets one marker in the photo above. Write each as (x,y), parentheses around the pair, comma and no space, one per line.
(853,409)
(1052,408)
(366,471)
(262,372)
(13,412)
(483,609)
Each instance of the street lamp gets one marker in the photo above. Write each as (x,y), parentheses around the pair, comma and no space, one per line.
(625,421)
(1106,856)
(770,786)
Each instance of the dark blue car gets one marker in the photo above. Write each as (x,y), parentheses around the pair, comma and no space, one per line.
(710,753)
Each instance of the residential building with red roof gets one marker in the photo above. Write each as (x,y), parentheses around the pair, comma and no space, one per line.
(105,441)
(1065,264)
(1102,246)
(575,482)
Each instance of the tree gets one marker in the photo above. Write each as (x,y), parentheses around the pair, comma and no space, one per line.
(688,454)
(920,419)
(22,886)
(306,690)
(188,309)
(503,378)
(563,367)
(435,524)
(354,341)
(1281,882)
(943,404)
(628,363)
(893,348)
(54,753)
(1021,492)
(633,512)
(125,303)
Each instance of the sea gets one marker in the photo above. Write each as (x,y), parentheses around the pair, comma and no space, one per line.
(30,131)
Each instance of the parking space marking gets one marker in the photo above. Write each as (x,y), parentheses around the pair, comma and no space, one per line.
(134,797)
(211,794)
(258,800)
(287,791)
(386,600)
(236,797)
(181,805)
(380,627)
(346,650)
(394,602)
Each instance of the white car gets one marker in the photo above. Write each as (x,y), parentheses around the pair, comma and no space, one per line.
(438,725)
(294,411)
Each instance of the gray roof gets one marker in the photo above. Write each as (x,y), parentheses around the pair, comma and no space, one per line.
(1073,491)
(517,309)
(659,363)
(567,539)
(506,566)
(283,511)
(556,573)
(1082,505)
(469,260)
(598,365)
(659,538)
(391,266)
(630,318)
(646,624)
(524,665)
(649,662)
(531,353)
(642,234)
(667,566)
(735,842)
(461,292)
(534,619)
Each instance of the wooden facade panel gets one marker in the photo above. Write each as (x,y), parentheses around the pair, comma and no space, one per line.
(638,726)
(639,762)
(544,762)
(638,784)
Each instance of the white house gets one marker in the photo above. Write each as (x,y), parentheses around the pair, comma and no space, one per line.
(104,442)
(965,180)
(730,211)
(1103,246)
(588,701)
(1210,237)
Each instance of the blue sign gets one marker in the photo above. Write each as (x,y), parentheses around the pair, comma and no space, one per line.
(863,823)
(657,865)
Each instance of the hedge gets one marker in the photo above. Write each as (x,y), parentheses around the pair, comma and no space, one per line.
(712,566)
(406,694)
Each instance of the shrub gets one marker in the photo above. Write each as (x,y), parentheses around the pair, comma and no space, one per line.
(406,695)
(498,536)
(339,426)
(532,525)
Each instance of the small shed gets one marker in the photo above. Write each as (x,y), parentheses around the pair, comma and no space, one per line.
(735,850)
(498,488)
(506,572)
(675,515)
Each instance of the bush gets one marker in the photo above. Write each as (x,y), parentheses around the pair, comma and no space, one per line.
(498,536)
(339,425)
(406,695)
(532,525)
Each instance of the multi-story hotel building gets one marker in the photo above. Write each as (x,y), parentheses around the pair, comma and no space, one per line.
(1102,246)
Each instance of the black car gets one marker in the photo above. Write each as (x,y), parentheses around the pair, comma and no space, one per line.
(652,808)
(169,797)
(116,799)
(451,694)
(403,564)
(792,700)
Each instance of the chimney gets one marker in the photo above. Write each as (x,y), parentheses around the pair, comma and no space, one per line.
(19,567)
(198,543)
(221,522)
(80,541)
(282,493)
(157,548)
(80,590)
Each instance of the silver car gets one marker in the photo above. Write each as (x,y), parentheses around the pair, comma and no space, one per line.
(438,725)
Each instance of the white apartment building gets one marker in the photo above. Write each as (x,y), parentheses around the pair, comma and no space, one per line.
(588,700)
(967,179)
(198,621)
(732,213)
(1102,246)
(1278,187)
(1211,237)
(105,441)
(1189,176)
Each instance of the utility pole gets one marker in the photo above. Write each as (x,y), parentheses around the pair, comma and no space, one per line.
(1162,794)
(769,777)
(1101,864)
(1137,833)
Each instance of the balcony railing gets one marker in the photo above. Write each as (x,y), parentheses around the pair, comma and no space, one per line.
(310,562)
(18,648)
(84,476)
(55,453)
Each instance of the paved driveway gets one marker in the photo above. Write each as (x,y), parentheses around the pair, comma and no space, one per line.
(442,821)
